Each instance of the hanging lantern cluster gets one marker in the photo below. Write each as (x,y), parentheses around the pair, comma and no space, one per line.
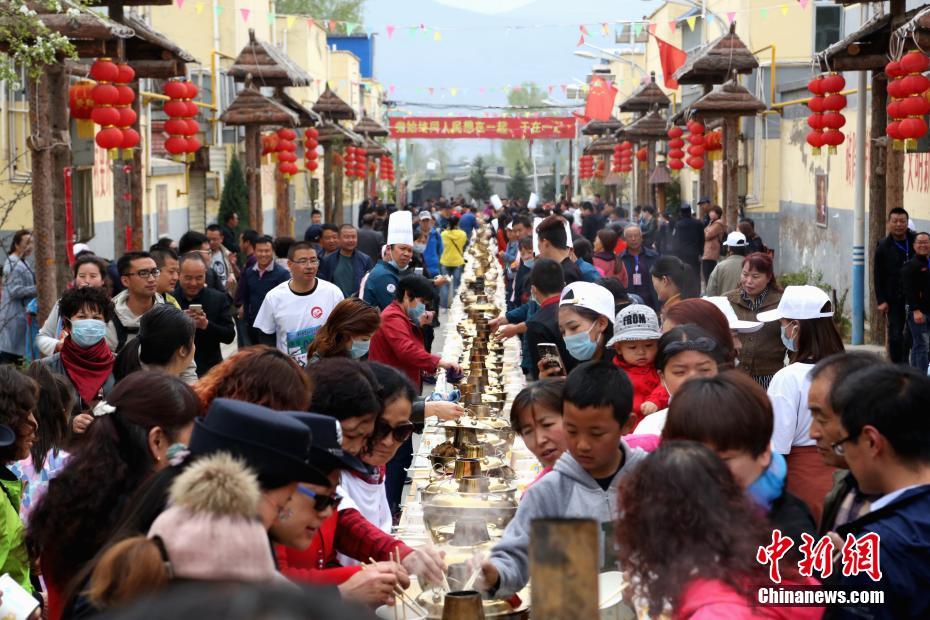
(311,156)
(270,147)
(355,162)
(386,169)
(826,117)
(676,144)
(908,90)
(586,166)
(127,116)
(286,151)
(713,144)
(81,106)
(641,156)
(601,168)
(181,126)
(615,159)
(696,145)
(625,164)
(105,96)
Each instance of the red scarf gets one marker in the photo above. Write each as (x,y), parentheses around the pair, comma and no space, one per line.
(87,368)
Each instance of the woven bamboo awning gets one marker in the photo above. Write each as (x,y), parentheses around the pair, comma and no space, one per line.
(645,97)
(714,62)
(599,128)
(267,65)
(334,132)
(660,175)
(374,149)
(331,107)
(648,127)
(253,108)
(867,47)
(728,99)
(370,128)
(305,116)
(602,146)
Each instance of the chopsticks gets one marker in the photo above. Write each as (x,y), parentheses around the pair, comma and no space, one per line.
(405,599)
(471,580)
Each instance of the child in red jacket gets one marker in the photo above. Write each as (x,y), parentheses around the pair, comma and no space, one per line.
(636,336)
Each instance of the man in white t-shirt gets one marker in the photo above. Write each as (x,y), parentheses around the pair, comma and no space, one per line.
(294,310)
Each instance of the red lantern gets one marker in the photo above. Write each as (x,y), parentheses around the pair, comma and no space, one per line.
(109,138)
(176,89)
(675,132)
(131,138)
(104,70)
(915,105)
(913,62)
(192,90)
(105,116)
(696,150)
(696,162)
(312,165)
(815,86)
(676,143)
(311,155)
(287,156)
(833,138)
(893,131)
(832,120)
(894,70)
(642,154)
(81,105)
(287,134)
(816,104)
(815,121)
(815,139)
(676,164)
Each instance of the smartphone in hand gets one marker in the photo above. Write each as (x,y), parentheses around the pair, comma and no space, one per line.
(549,355)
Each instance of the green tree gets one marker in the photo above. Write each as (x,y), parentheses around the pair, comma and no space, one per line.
(235,197)
(346,11)
(529,97)
(518,187)
(27,44)
(480,186)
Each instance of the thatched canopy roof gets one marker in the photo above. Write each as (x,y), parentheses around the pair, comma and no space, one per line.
(374,149)
(602,146)
(598,128)
(867,47)
(369,127)
(253,108)
(728,99)
(645,97)
(334,132)
(612,179)
(715,61)
(660,175)
(267,65)
(331,107)
(306,117)
(647,127)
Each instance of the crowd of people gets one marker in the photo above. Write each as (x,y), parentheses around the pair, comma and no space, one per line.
(186,405)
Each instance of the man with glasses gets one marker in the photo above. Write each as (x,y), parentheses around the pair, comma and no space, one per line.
(139,278)
(293,311)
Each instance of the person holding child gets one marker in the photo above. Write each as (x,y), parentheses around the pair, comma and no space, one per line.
(636,335)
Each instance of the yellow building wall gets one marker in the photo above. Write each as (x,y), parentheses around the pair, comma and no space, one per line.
(345,77)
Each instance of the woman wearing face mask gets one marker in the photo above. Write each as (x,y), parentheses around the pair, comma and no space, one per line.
(762,354)
(805,314)
(399,340)
(85,359)
(89,270)
(347,332)
(732,416)
(685,352)
(586,322)
(536,415)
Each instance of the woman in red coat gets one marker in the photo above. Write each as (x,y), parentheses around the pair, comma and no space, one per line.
(398,341)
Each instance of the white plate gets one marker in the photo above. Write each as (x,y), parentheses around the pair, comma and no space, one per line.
(387,613)
(610,589)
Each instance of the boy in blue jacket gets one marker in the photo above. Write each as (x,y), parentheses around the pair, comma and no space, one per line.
(584,481)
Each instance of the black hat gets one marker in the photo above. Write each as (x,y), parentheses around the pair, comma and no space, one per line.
(327,452)
(276,446)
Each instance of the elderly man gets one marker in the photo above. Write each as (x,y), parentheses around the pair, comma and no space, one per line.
(209,309)
(348,266)
(638,261)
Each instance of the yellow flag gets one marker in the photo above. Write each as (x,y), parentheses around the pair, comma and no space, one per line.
(784,9)
(453,91)
(691,21)
(199,8)
(290,21)
(437,36)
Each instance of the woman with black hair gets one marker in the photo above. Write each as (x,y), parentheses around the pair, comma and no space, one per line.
(586,322)
(165,342)
(126,443)
(19,286)
(673,281)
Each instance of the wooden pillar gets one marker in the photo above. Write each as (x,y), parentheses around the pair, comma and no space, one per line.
(706,175)
(336,215)
(564,568)
(730,171)
(642,181)
(282,208)
(660,197)
(877,204)
(571,173)
(651,158)
(43,195)
(61,159)
(122,198)
(135,181)
(253,174)
(328,181)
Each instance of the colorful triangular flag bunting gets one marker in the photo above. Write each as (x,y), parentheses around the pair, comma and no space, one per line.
(245,14)
(784,9)
(350,27)
(637,28)
(437,36)
(290,21)
(691,22)
(180,3)
(199,8)
(672,24)
(731,15)
(390,30)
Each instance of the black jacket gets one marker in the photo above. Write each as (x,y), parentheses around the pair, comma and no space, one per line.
(544,327)
(915,280)
(647,258)
(229,239)
(792,516)
(220,327)
(591,224)
(689,240)
(370,242)
(570,271)
(886,268)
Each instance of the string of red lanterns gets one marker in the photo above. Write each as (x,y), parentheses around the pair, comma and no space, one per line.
(105,96)
(586,166)
(675,155)
(386,169)
(908,90)
(311,156)
(286,151)
(713,144)
(181,126)
(626,157)
(81,106)
(826,119)
(696,149)
(127,116)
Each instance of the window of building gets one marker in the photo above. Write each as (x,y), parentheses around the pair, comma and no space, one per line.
(19,168)
(692,39)
(828,26)
(82,203)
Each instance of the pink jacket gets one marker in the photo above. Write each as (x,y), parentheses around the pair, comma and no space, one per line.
(705,599)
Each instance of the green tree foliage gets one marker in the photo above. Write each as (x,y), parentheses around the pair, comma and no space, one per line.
(530,97)
(25,41)
(337,10)
(235,197)
(480,186)
(518,188)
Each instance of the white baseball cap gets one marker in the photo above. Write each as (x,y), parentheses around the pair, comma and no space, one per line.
(736,324)
(736,239)
(589,295)
(425,215)
(635,322)
(798,303)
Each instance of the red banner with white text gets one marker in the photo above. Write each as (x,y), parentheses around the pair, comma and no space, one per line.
(501,128)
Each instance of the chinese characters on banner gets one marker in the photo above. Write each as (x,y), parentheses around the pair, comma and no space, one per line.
(503,128)
(858,555)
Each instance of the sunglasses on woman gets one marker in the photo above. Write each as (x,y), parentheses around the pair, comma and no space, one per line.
(321,502)
(401,432)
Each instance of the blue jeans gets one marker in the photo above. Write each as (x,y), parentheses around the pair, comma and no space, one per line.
(920,349)
(446,292)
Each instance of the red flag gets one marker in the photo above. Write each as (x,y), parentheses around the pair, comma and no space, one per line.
(600,101)
(671,59)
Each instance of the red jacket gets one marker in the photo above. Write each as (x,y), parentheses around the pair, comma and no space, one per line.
(346,532)
(646,385)
(706,599)
(399,344)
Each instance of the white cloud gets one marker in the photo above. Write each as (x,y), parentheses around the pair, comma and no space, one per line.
(489,7)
